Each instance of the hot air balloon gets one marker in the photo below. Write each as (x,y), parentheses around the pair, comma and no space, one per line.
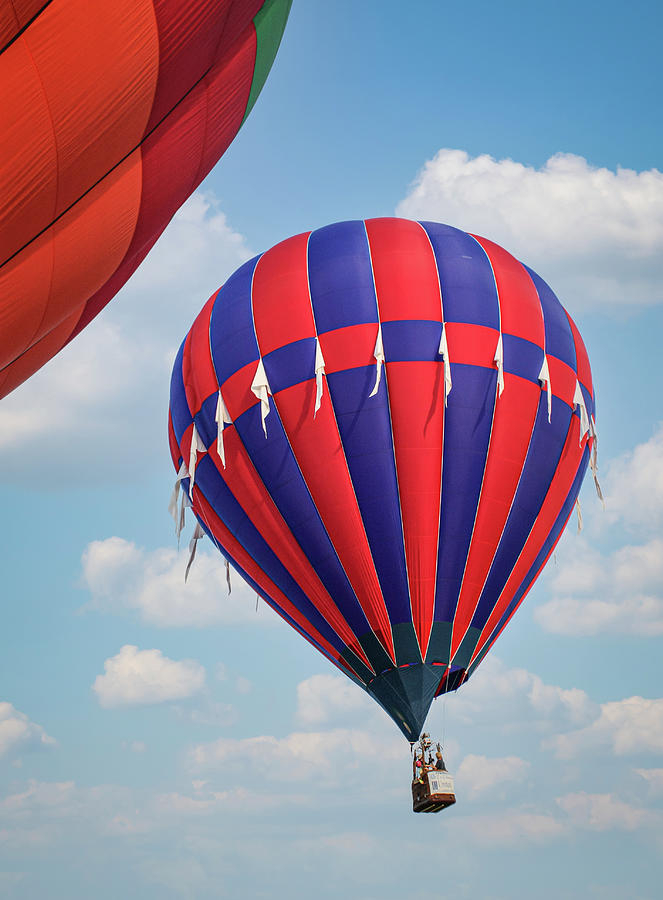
(112,114)
(383,425)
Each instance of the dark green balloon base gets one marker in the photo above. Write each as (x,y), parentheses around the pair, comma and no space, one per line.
(406,694)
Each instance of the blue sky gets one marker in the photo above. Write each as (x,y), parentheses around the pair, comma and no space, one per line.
(162,741)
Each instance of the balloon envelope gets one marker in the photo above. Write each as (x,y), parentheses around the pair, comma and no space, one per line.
(112,114)
(384,426)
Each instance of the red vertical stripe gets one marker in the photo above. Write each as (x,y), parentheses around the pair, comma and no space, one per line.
(513,423)
(407,287)
(416,398)
(319,453)
(582,360)
(280,296)
(248,489)
(246,486)
(270,591)
(550,509)
(514,418)
(404,269)
(283,314)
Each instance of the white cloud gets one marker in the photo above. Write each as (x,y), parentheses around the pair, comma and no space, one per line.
(634,485)
(633,725)
(121,576)
(73,420)
(513,827)
(603,812)
(480,775)
(512,698)
(654,778)
(136,676)
(621,593)
(594,234)
(18,733)
(323,698)
(324,755)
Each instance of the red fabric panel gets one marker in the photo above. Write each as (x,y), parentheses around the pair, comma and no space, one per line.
(37,355)
(172,443)
(179,154)
(349,348)
(270,592)
(236,390)
(407,287)
(14,14)
(513,423)
(405,271)
(43,285)
(197,366)
(249,491)
(240,18)
(280,296)
(520,307)
(532,583)
(317,447)
(189,33)
(245,484)
(582,360)
(552,504)
(28,157)
(472,345)
(416,401)
(98,64)
(192,35)
(562,380)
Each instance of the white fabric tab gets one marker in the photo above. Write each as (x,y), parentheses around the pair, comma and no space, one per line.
(579,401)
(230,590)
(378,353)
(443,351)
(172,504)
(319,372)
(579,512)
(544,378)
(498,359)
(221,418)
(197,447)
(193,543)
(593,459)
(260,387)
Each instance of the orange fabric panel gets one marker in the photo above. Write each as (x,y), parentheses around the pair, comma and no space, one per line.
(71,261)
(95,119)
(28,160)
(25,283)
(37,355)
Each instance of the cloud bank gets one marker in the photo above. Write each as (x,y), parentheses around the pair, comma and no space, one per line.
(122,577)
(595,235)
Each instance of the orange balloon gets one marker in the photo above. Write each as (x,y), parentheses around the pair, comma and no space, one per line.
(112,115)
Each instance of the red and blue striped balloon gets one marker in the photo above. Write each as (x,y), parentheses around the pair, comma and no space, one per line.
(384,426)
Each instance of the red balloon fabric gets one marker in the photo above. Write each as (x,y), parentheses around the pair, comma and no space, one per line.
(112,114)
